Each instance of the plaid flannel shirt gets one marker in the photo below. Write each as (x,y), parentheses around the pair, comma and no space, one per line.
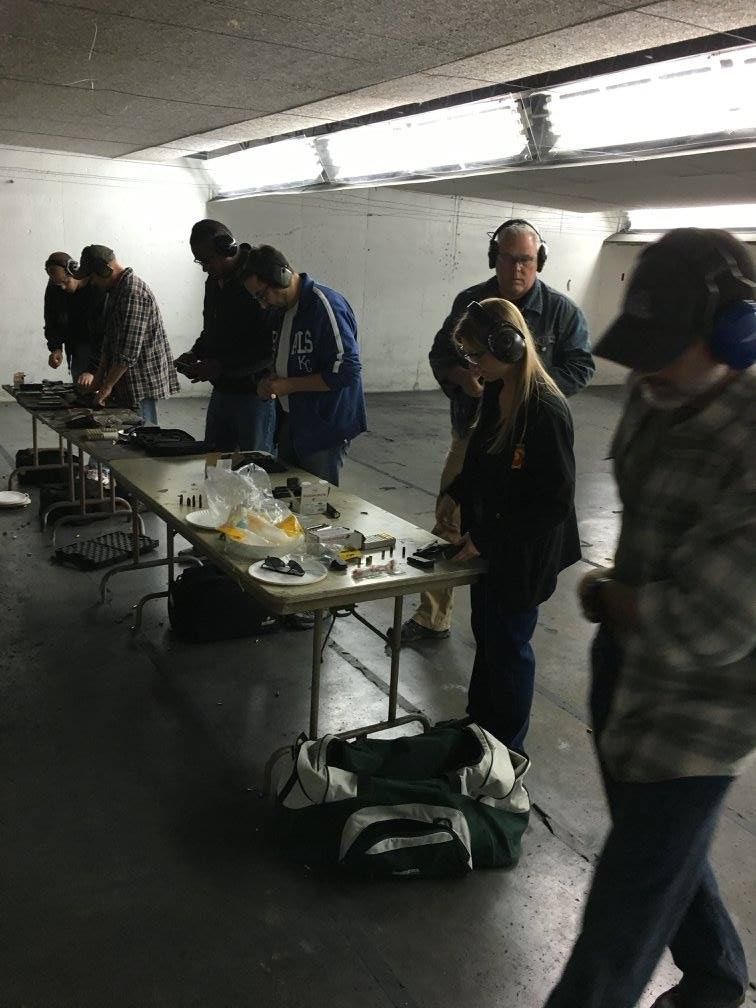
(135,337)
(685,704)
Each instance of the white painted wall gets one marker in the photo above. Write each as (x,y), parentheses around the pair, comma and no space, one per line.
(52,202)
(401,256)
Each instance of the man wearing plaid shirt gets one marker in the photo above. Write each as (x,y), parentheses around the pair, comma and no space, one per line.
(136,362)
(673,698)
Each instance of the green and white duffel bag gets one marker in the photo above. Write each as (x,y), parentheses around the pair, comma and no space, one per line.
(433,805)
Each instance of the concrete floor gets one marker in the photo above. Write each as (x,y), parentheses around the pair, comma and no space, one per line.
(138,867)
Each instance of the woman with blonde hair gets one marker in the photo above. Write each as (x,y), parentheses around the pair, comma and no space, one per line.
(516,494)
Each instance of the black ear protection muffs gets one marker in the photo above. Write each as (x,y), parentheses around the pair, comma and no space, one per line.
(225,245)
(493,244)
(101,268)
(503,340)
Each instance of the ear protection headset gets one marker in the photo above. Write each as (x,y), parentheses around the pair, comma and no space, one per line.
(503,340)
(68,265)
(493,245)
(101,268)
(268,264)
(731,328)
(225,245)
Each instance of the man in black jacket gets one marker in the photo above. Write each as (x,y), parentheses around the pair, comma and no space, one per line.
(234,346)
(74,319)
(517,253)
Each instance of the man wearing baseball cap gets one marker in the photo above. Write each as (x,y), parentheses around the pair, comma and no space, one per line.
(136,367)
(674,660)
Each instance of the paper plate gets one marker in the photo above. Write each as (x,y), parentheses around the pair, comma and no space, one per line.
(313,571)
(203,519)
(14,499)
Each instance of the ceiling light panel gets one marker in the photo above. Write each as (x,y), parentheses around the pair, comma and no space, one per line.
(710,95)
(452,139)
(278,165)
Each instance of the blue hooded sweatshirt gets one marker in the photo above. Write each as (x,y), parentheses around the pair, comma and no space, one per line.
(318,335)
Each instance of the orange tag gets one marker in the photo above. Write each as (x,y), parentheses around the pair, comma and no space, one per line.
(519,456)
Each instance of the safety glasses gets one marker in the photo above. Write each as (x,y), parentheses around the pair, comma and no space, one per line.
(281,566)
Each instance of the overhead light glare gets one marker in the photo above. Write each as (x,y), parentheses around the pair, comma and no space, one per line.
(731,217)
(452,139)
(278,165)
(696,97)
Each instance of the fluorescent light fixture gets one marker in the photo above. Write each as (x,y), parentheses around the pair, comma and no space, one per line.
(733,217)
(278,165)
(695,97)
(467,136)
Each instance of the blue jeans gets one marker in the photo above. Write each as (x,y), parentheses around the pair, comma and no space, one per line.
(147,410)
(325,464)
(653,886)
(500,694)
(240,421)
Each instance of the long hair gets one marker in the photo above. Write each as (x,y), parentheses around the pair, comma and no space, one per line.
(529,376)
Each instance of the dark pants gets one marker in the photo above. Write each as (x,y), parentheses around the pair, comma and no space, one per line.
(325,463)
(501,686)
(653,887)
(240,421)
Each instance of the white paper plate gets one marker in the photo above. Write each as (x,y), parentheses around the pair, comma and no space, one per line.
(313,571)
(203,519)
(14,499)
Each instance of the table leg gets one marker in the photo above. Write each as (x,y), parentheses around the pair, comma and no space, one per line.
(82,484)
(395,644)
(61,454)
(317,647)
(35,440)
(71,476)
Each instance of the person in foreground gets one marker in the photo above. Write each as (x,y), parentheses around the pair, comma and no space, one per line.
(674,667)
(516,495)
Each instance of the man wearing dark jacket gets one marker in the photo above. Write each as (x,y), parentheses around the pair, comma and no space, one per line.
(234,345)
(74,319)
(517,253)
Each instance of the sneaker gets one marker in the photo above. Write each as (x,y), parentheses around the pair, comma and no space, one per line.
(675,998)
(300,620)
(412,631)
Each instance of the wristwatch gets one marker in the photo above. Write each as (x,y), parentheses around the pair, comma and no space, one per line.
(593,603)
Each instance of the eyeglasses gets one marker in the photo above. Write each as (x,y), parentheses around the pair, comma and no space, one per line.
(282,566)
(473,358)
(512,260)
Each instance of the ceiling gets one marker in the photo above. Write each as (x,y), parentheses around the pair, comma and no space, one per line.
(159,80)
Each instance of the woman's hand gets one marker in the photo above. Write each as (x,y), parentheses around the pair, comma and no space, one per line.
(467,550)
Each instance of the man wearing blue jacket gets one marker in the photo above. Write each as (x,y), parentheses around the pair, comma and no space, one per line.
(316,375)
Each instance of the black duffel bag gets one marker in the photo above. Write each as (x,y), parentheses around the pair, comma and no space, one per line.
(204,604)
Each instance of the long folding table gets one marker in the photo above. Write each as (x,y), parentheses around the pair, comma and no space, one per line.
(158,483)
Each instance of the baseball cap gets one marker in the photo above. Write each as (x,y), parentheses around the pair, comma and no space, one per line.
(92,259)
(678,284)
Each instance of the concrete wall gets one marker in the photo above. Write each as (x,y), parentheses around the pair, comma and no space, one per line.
(400,257)
(55,201)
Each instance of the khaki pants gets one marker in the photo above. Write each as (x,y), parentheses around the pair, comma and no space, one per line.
(435,611)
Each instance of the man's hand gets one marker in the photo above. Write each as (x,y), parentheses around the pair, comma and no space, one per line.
(265,387)
(103,393)
(279,386)
(55,359)
(203,370)
(85,379)
(447,518)
(467,550)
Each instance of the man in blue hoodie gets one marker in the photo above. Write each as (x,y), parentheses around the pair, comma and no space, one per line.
(316,374)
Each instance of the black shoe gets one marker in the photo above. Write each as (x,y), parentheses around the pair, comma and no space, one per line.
(413,631)
(676,998)
(300,620)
